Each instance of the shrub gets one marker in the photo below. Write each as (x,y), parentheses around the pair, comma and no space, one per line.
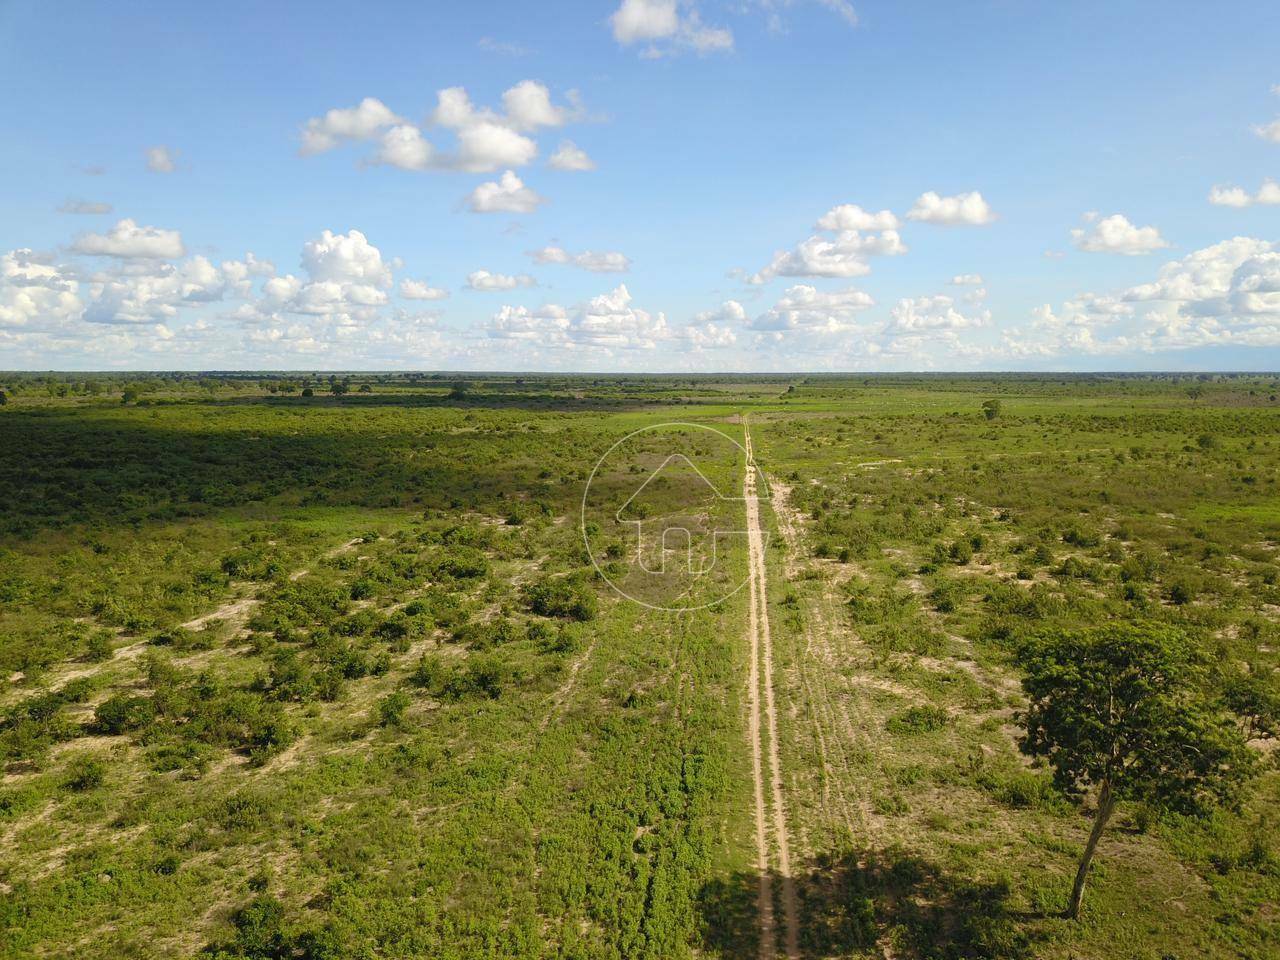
(122,713)
(391,709)
(85,773)
(918,720)
(570,598)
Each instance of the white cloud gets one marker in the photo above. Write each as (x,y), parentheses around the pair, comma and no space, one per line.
(85,207)
(345,258)
(421,290)
(607,261)
(640,20)
(33,289)
(1232,196)
(1269,131)
(528,106)
(570,157)
(361,122)
(964,209)
(850,216)
(485,146)
(731,311)
(161,160)
(843,256)
(347,282)
(706,336)
(921,315)
(404,146)
(159,291)
(128,240)
(610,320)
(486,139)
(484,280)
(1225,294)
(604,323)
(806,308)
(506,195)
(1115,234)
(967,280)
(665,28)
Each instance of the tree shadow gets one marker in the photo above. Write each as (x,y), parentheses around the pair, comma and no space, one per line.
(855,902)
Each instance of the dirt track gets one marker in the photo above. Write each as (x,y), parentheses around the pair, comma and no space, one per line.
(760,675)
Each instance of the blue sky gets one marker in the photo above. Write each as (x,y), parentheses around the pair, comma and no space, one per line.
(940,141)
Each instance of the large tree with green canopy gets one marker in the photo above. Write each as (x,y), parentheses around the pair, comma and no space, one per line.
(1126,712)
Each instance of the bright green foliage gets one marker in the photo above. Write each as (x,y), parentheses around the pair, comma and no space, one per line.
(1130,706)
(1127,710)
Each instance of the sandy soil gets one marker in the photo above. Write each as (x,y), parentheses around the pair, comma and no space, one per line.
(760,675)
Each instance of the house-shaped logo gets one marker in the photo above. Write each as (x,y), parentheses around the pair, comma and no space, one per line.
(677,515)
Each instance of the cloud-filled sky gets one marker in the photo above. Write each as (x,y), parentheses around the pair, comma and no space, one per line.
(640,185)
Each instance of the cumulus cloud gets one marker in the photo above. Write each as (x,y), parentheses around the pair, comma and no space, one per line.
(850,216)
(347,282)
(1269,131)
(528,106)
(606,323)
(731,311)
(570,158)
(605,261)
(1224,294)
(85,207)
(484,280)
(421,290)
(806,308)
(664,28)
(964,209)
(484,147)
(1115,234)
(361,122)
(345,258)
(486,139)
(128,240)
(32,289)
(506,195)
(706,336)
(405,147)
(159,291)
(844,255)
(1232,196)
(967,280)
(161,159)
(922,315)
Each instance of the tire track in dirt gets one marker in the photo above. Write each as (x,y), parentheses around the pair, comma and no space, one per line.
(761,673)
(818,697)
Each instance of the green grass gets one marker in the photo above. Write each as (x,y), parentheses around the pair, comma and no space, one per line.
(406,752)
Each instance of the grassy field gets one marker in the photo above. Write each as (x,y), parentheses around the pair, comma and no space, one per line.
(336,675)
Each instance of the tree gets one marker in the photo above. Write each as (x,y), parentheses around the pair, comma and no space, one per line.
(991,409)
(4,398)
(460,390)
(1125,710)
(308,392)
(338,387)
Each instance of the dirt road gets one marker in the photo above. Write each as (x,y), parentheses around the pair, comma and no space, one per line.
(760,679)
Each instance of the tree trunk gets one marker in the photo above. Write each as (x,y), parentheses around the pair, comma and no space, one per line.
(1106,803)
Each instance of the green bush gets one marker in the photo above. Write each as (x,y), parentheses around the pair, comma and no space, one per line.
(924,719)
(570,598)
